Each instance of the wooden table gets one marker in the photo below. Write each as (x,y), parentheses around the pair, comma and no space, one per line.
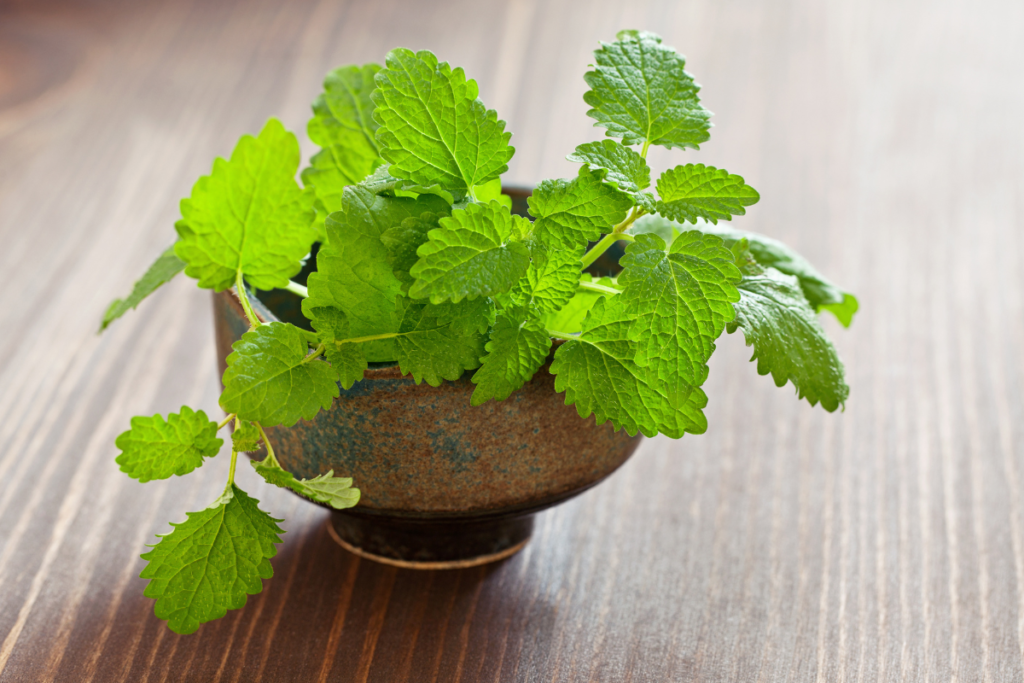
(884,543)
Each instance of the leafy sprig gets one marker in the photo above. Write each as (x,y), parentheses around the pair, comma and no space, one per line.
(423,264)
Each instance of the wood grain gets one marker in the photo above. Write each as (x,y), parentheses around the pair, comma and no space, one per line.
(885,543)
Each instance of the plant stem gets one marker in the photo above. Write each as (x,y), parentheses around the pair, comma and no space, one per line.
(316,353)
(231,471)
(561,335)
(647,146)
(254,321)
(296,288)
(594,287)
(223,422)
(270,449)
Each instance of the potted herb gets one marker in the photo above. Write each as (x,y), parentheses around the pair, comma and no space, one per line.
(438,328)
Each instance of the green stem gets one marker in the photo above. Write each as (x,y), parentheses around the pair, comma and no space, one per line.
(562,335)
(271,458)
(594,287)
(231,472)
(316,353)
(647,146)
(296,288)
(254,321)
(223,422)
(599,248)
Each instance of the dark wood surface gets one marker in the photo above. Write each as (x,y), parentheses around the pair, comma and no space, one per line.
(885,543)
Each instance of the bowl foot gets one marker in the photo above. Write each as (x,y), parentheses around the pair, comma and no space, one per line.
(430,544)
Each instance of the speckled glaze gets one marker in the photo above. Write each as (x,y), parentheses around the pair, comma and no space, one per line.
(441,481)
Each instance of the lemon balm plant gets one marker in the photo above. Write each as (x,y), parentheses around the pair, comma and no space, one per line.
(422,263)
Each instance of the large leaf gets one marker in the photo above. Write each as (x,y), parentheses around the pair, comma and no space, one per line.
(679,301)
(155,448)
(211,562)
(598,374)
(640,92)
(343,127)
(432,347)
(552,278)
(476,251)
(572,212)
(697,191)
(787,338)
(163,269)
(433,129)
(355,269)
(569,319)
(518,345)
(248,215)
(821,293)
(271,380)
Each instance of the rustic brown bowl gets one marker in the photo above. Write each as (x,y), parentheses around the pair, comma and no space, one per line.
(443,484)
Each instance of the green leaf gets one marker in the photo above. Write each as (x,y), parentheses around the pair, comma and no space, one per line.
(598,374)
(477,251)
(343,126)
(552,278)
(573,212)
(270,380)
(433,129)
(249,214)
(820,292)
(355,270)
(327,488)
(680,302)
(518,346)
(209,563)
(246,438)
(627,169)
(404,240)
(843,311)
(788,340)
(569,319)
(491,191)
(155,449)
(640,93)
(697,191)
(163,269)
(430,347)
(348,360)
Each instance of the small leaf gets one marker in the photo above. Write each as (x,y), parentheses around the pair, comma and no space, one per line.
(163,269)
(627,169)
(334,491)
(269,379)
(211,562)
(788,340)
(249,214)
(640,92)
(572,212)
(476,251)
(246,437)
(157,449)
(433,129)
(697,191)
(518,346)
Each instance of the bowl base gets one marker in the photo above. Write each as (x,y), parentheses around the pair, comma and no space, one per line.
(433,543)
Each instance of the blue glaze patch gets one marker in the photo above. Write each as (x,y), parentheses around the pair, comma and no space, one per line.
(453,449)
